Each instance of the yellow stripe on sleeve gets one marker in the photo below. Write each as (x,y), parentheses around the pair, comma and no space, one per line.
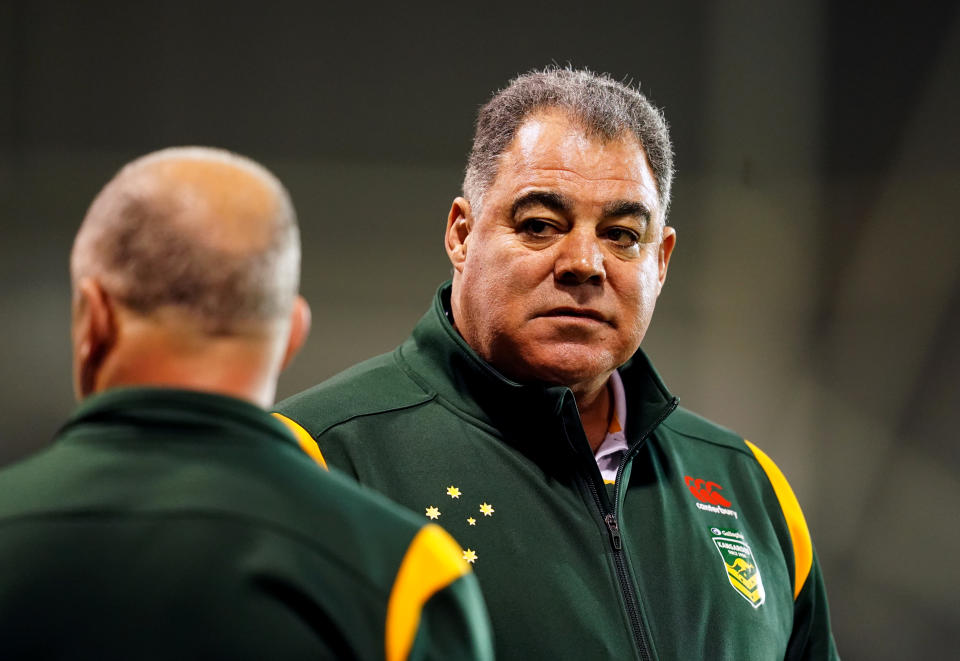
(432,562)
(799,533)
(307,444)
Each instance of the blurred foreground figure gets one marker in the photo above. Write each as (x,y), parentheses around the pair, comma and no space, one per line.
(173,517)
(603,521)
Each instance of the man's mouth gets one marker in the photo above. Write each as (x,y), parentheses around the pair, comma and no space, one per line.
(580,313)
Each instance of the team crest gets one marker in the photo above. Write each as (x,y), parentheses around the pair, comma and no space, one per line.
(741,566)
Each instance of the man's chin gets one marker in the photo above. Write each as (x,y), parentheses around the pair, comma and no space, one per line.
(567,368)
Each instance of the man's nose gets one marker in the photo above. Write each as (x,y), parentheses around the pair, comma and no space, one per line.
(580,259)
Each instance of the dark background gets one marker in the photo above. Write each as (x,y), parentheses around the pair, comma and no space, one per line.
(813,302)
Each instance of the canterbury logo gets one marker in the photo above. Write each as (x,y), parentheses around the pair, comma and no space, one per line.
(705,491)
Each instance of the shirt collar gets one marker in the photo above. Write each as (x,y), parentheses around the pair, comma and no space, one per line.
(615,440)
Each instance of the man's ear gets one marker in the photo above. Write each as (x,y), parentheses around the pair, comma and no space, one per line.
(94,335)
(299,330)
(667,245)
(459,224)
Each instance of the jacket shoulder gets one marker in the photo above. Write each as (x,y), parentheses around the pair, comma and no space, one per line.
(373,386)
(687,423)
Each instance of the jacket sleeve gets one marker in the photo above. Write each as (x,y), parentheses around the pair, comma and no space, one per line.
(454,625)
(812,638)
(435,609)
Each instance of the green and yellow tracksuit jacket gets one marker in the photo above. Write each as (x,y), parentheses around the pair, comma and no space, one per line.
(174,524)
(698,551)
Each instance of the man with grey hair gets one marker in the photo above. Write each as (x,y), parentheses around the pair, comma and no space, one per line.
(603,520)
(173,517)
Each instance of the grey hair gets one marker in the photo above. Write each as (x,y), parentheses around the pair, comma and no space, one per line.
(142,240)
(607,109)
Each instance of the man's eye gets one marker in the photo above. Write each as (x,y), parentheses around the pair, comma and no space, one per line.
(537,227)
(624,238)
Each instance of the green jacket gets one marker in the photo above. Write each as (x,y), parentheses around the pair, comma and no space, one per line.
(174,524)
(699,551)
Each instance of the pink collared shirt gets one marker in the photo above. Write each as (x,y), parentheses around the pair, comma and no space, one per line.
(610,453)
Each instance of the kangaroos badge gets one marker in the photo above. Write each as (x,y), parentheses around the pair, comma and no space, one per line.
(740,564)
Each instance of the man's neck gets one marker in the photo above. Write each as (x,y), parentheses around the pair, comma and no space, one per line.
(596,408)
(240,367)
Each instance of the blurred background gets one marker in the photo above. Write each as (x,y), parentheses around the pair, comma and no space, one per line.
(813,302)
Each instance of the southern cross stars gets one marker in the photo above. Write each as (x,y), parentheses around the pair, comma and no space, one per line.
(433,512)
(486,509)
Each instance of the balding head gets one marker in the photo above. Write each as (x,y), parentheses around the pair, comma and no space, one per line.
(202,230)
(185,274)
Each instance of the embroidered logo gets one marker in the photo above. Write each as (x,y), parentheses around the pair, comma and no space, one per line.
(704,491)
(708,497)
(740,564)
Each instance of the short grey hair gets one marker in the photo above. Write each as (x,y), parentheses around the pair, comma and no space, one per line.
(606,108)
(142,238)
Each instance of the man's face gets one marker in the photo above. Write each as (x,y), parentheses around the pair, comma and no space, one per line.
(556,279)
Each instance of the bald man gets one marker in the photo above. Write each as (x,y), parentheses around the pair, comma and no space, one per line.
(172,517)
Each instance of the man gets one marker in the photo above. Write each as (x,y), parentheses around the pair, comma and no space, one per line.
(173,517)
(602,520)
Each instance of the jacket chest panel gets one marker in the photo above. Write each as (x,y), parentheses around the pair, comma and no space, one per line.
(529,536)
(704,563)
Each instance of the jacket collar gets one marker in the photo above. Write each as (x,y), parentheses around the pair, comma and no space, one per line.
(171,412)
(438,353)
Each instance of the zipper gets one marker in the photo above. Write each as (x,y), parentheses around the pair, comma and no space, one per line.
(609,516)
(623,575)
(611,522)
